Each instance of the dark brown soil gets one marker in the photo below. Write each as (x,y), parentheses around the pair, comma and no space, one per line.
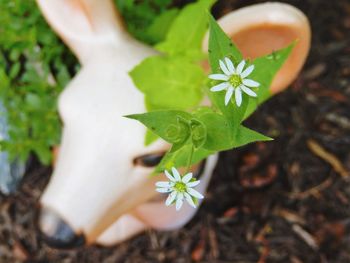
(268,202)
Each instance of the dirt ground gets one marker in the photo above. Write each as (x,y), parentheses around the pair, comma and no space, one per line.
(281,201)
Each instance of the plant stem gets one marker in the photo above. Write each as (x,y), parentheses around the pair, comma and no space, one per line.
(190,160)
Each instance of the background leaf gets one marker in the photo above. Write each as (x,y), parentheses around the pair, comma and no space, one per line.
(169,82)
(186,33)
(159,28)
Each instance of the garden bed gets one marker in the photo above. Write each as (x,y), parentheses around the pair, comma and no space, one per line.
(281,201)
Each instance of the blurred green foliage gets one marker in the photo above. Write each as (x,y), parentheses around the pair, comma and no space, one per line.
(140,15)
(35,66)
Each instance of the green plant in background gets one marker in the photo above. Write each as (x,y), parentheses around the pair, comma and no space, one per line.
(174,85)
(34,67)
(147,20)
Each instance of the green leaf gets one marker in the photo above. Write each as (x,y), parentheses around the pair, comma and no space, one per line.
(176,127)
(15,70)
(220,46)
(180,158)
(187,31)
(169,83)
(245,136)
(266,68)
(150,137)
(198,133)
(171,125)
(219,133)
(33,101)
(140,16)
(159,28)
(43,153)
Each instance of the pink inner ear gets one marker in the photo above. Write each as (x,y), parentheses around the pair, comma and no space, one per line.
(262,39)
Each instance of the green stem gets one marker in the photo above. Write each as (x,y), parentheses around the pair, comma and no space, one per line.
(190,160)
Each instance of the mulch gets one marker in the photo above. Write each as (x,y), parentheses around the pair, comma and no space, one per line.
(283,201)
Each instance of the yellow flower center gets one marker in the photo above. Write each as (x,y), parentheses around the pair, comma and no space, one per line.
(180,187)
(235,80)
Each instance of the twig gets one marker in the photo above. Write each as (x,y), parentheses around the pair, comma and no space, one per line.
(315,191)
(328,157)
(260,237)
(289,216)
(306,236)
(213,244)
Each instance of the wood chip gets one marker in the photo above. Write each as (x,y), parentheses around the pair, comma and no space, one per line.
(328,157)
(315,71)
(214,248)
(314,191)
(199,251)
(342,121)
(306,236)
(290,216)
(19,252)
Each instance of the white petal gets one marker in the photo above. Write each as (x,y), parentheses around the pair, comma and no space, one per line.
(193,184)
(248,91)
(176,174)
(163,184)
(247,71)
(170,177)
(189,200)
(219,77)
(250,83)
(195,193)
(229,65)
(171,198)
(224,68)
(179,201)
(187,178)
(220,87)
(240,67)
(180,196)
(163,190)
(238,95)
(228,95)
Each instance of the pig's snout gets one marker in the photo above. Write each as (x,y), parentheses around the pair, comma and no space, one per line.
(56,232)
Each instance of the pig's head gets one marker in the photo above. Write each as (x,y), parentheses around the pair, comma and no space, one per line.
(101,178)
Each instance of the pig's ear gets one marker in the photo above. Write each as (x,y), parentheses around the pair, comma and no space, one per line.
(263,28)
(82,24)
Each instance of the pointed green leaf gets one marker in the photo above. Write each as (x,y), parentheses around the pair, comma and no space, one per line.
(150,137)
(221,46)
(245,136)
(169,125)
(266,68)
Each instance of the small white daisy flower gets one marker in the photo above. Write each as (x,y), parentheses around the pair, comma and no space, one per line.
(179,188)
(234,80)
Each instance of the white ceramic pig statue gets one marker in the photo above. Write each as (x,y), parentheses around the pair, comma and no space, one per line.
(100,190)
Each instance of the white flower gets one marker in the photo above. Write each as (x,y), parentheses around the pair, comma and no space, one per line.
(234,80)
(179,188)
